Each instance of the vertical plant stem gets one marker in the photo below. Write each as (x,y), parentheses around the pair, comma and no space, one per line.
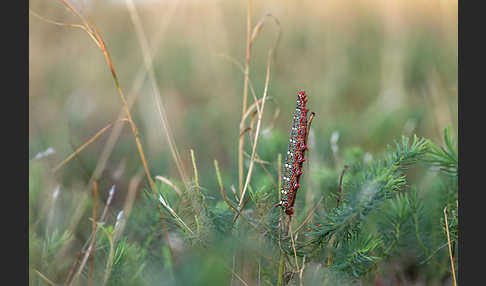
(156,91)
(257,132)
(130,120)
(98,39)
(450,249)
(281,265)
(241,144)
(196,177)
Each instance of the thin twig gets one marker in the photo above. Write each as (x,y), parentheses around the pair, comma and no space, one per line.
(252,160)
(450,249)
(435,251)
(88,252)
(301,272)
(86,144)
(44,277)
(101,44)
(132,95)
(240,209)
(221,186)
(94,31)
(111,254)
(293,246)
(168,182)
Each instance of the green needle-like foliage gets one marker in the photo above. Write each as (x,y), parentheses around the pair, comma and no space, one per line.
(378,216)
(371,185)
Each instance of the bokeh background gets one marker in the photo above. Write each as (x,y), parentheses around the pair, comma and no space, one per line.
(374,70)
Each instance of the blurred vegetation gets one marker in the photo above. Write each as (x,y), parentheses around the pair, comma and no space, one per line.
(374,72)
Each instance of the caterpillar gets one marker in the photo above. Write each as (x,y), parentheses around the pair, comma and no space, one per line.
(292,168)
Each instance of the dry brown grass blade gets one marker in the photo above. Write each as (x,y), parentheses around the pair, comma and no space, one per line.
(86,144)
(168,182)
(252,123)
(63,24)
(293,247)
(259,26)
(45,278)
(301,272)
(91,29)
(243,132)
(450,249)
(253,106)
(253,114)
(241,209)
(311,117)
(86,24)
(128,205)
(132,95)
(251,36)
(257,132)
(94,31)
(88,252)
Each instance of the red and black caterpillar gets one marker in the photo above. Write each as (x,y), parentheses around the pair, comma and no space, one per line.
(292,168)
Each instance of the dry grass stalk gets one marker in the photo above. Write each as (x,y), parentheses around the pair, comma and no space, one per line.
(168,182)
(45,278)
(155,88)
(93,32)
(86,144)
(257,132)
(241,143)
(450,248)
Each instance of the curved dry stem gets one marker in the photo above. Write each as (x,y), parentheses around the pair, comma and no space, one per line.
(168,182)
(86,144)
(103,48)
(252,161)
(62,24)
(45,278)
(132,95)
(221,187)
